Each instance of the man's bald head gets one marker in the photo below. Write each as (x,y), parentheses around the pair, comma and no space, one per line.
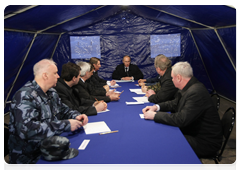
(42,66)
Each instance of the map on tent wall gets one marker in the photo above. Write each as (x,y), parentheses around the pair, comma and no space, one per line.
(167,44)
(83,47)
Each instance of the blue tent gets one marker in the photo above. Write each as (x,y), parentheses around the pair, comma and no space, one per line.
(208,39)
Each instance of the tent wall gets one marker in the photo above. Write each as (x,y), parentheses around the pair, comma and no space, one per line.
(15,49)
(218,65)
(129,34)
(208,39)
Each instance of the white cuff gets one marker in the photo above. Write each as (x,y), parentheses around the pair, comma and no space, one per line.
(158,107)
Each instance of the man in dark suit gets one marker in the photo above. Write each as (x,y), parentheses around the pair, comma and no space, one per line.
(89,92)
(71,97)
(167,89)
(193,111)
(127,71)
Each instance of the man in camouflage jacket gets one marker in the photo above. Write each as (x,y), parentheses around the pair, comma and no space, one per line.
(36,113)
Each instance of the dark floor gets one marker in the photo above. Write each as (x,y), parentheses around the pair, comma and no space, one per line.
(229,155)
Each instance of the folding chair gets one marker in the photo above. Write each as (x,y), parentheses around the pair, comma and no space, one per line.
(227,121)
(216,100)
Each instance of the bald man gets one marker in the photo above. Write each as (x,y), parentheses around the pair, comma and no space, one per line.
(37,112)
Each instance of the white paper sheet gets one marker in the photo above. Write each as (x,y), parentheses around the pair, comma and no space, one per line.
(141,116)
(141,99)
(115,85)
(96,127)
(84,144)
(137,91)
(124,81)
(132,103)
(104,111)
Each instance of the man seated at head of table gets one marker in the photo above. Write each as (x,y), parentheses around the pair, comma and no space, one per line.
(95,79)
(70,76)
(36,112)
(193,111)
(89,92)
(165,89)
(127,71)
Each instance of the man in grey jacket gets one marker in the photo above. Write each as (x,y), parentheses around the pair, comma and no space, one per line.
(37,112)
(192,111)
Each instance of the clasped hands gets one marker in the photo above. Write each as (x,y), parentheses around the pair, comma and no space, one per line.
(149,112)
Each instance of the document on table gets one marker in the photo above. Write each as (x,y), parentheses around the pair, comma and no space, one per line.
(104,111)
(114,86)
(124,81)
(141,99)
(132,103)
(96,127)
(141,116)
(137,91)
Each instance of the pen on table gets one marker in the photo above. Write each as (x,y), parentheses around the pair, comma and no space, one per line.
(121,92)
(108,132)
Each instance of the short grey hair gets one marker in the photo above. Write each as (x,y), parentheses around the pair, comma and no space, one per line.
(183,68)
(162,62)
(42,66)
(84,67)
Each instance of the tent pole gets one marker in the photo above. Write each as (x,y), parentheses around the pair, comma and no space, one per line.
(56,44)
(201,57)
(220,39)
(35,35)
(20,11)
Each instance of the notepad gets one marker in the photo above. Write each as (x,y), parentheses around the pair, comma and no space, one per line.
(96,127)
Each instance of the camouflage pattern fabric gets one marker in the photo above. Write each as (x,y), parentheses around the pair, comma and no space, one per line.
(34,116)
(156,87)
(57,148)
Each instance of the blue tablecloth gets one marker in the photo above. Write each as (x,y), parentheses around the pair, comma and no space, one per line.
(138,141)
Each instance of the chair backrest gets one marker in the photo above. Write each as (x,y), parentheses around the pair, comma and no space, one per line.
(228,121)
(216,100)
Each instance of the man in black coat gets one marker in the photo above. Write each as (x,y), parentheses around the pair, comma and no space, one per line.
(89,92)
(193,111)
(127,71)
(167,90)
(71,97)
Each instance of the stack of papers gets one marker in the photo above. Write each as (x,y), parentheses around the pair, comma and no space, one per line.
(137,91)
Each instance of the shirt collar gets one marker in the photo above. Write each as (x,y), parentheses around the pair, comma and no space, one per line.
(82,80)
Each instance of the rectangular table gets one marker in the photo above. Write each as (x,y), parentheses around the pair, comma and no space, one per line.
(138,141)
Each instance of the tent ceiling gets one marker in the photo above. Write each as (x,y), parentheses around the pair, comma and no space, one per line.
(64,18)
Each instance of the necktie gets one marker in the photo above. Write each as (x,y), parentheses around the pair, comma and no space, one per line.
(126,69)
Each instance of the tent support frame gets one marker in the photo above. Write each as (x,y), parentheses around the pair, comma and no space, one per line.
(35,35)
(201,57)
(56,45)
(220,39)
